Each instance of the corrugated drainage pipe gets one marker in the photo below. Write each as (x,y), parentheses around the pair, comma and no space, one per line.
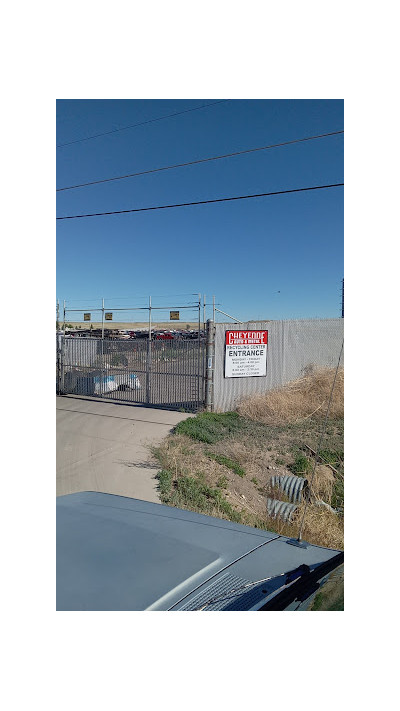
(292,486)
(280,509)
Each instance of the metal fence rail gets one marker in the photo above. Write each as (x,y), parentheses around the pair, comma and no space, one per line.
(171,373)
(159,373)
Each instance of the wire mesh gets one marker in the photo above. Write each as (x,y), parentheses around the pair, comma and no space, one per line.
(294,348)
(163,373)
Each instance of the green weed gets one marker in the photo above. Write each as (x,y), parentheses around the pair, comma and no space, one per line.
(332,456)
(331,595)
(193,494)
(301,465)
(210,427)
(165,484)
(222,482)
(337,500)
(229,463)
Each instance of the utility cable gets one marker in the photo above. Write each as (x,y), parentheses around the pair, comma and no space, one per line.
(142,123)
(200,202)
(201,160)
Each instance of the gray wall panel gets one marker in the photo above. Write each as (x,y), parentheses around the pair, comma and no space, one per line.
(292,346)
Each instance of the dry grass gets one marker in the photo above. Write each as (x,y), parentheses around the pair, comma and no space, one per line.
(321,527)
(267,439)
(303,398)
(186,457)
(247,453)
(323,483)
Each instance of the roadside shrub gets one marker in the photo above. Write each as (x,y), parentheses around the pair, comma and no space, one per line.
(210,427)
(301,466)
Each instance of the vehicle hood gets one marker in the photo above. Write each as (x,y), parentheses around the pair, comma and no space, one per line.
(117,553)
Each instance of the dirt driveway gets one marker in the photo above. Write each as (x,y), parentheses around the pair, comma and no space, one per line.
(103,447)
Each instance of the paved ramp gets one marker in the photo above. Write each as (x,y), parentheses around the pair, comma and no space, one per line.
(103,447)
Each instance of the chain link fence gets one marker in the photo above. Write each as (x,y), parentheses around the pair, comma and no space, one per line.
(293,348)
(158,373)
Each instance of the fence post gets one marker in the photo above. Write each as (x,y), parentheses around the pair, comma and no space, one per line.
(342,298)
(149,356)
(58,364)
(210,360)
(58,389)
(199,379)
(62,365)
(102,368)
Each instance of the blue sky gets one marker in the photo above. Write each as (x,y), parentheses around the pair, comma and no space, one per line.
(274,257)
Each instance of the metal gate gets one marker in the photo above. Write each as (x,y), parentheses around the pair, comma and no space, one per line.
(157,373)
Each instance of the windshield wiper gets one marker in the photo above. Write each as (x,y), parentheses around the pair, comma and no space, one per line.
(304,587)
(302,575)
(289,577)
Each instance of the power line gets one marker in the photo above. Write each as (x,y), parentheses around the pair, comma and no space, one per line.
(200,202)
(201,160)
(142,123)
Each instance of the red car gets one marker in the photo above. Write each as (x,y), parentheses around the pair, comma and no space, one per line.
(163,337)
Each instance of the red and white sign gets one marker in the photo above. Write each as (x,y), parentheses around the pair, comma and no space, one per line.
(245,354)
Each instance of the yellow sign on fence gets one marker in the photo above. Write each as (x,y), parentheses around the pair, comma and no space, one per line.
(86,317)
(108,316)
(174,315)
